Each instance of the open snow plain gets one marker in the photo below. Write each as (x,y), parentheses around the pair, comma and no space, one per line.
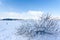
(8,31)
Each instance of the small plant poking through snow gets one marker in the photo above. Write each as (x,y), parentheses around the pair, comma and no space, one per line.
(45,25)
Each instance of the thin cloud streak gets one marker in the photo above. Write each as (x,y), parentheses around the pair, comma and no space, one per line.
(25,15)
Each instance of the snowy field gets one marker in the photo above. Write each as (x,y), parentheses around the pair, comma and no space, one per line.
(8,31)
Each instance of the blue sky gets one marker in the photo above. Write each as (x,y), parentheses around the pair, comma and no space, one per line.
(19,6)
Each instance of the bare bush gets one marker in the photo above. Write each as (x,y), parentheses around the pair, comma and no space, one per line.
(45,25)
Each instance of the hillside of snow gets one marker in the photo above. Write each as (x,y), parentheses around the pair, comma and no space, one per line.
(8,31)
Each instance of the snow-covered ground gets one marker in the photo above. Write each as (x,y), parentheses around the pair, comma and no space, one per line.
(8,32)
(7,29)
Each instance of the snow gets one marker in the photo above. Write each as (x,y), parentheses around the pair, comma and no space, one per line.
(7,29)
(8,32)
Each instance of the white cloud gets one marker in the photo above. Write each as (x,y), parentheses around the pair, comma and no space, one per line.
(56,17)
(25,15)
(9,15)
(34,14)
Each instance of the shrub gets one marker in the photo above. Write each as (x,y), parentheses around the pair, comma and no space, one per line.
(45,25)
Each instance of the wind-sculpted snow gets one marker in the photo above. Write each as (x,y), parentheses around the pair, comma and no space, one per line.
(8,31)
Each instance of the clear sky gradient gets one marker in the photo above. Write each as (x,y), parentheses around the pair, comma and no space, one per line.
(52,6)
